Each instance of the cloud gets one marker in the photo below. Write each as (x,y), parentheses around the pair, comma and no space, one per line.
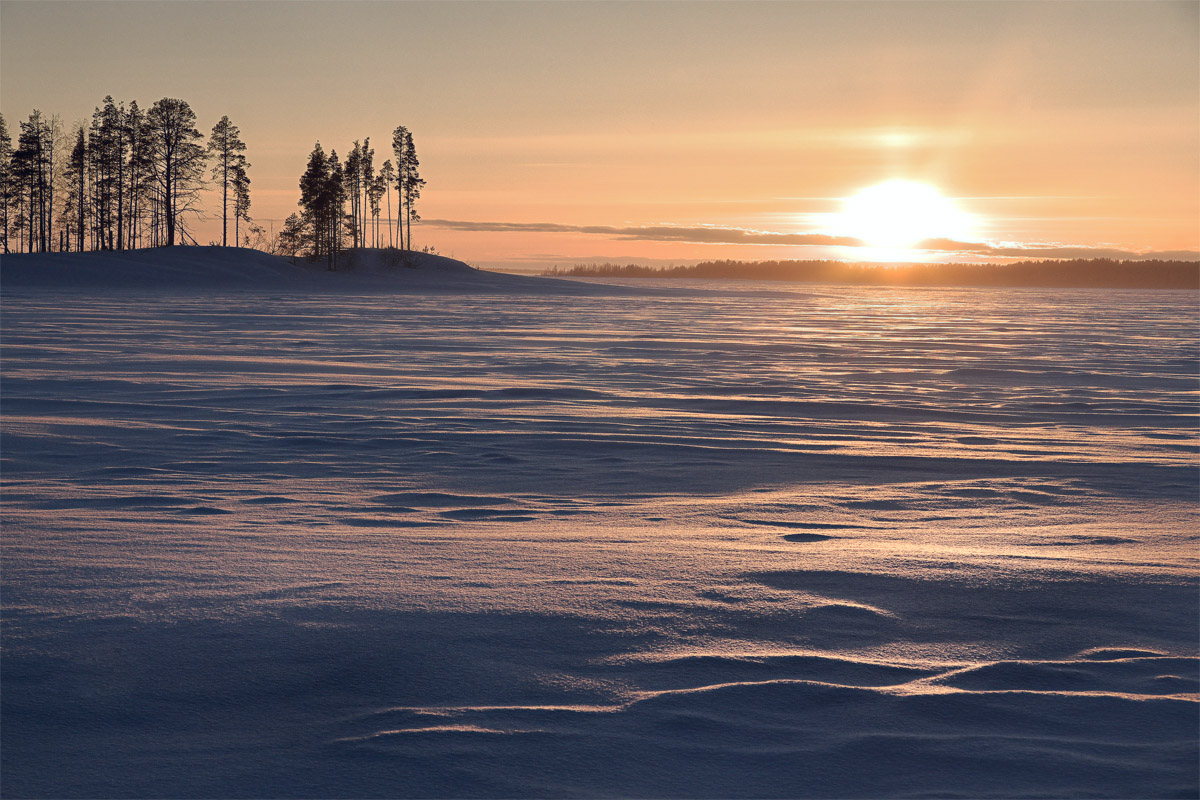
(1055,251)
(657,233)
(705,234)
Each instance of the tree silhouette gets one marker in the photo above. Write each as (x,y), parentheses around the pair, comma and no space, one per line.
(293,235)
(312,185)
(366,169)
(399,138)
(352,174)
(129,178)
(100,169)
(76,178)
(412,186)
(32,168)
(112,122)
(106,166)
(176,159)
(323,198)
(388,175)
(138,170)
(333,198)
(6,183)
(241,203)
(374,195)
(408,182)
(228,153)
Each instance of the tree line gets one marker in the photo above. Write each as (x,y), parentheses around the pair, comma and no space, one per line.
(1060,273)
(129,179)
(343,202)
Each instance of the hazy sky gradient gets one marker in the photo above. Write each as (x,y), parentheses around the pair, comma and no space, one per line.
(1071,123)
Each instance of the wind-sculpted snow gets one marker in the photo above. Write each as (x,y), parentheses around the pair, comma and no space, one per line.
(821,543)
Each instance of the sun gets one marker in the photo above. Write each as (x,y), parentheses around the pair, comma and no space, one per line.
(898,214)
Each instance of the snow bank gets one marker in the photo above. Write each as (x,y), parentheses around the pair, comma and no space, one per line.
(225,268)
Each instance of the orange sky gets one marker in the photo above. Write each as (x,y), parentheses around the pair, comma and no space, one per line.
(558,132)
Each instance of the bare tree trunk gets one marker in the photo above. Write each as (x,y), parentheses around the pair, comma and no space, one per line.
(82,199)
(120,189)
(225,200)
(169,206)
(133,206)
(32,209)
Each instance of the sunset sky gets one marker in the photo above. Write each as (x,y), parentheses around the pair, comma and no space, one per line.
(551,133)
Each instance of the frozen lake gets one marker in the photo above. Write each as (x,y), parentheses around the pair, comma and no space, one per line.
(766,541)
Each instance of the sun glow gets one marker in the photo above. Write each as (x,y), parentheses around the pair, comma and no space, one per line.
(899,214)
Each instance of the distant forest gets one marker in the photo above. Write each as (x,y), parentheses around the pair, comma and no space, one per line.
(132,179)
(1073,273)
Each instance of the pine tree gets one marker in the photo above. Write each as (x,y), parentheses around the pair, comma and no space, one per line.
(367,177)
(241,203)
(351,179)
(410,176)
(100,183)
(106,149)
(177,160)
(388,175)
(75,210)
(138,169)
(293,235)
(375,195)
(323,198)
(96,181)
(227,150)
(334,202)
(55,147)
(312,187)
(6,181)
(115,135)
(398,148)
(29,174)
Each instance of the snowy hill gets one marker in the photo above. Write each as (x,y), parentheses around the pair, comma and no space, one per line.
(231,268)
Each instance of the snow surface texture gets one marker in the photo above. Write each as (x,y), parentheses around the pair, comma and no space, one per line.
(535,542)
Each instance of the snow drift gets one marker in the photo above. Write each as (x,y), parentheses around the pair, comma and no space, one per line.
(860,543)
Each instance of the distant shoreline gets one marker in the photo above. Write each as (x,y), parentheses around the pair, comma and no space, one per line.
(1058,274)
